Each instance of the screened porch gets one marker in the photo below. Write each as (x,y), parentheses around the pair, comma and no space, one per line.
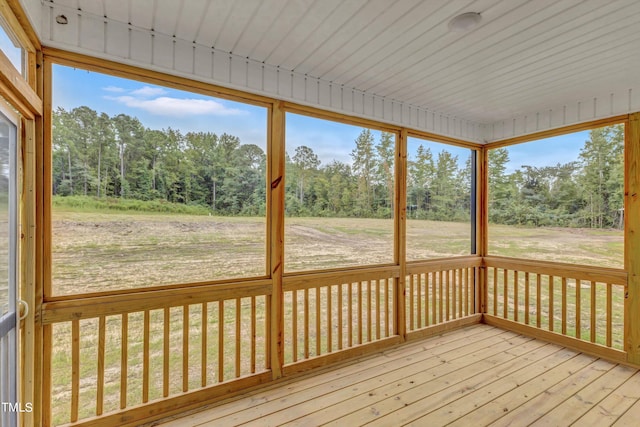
(278,212)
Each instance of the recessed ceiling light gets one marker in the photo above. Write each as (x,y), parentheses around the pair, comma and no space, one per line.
(465,22)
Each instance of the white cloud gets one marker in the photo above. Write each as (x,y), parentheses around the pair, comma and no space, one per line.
(148,91)
(167,106)
(113,89)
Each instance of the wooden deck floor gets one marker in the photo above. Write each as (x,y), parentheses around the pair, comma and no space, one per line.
(476,376)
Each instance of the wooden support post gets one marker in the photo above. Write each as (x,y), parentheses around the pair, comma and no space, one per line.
(482,226)
(44,339)
(275,233)
(632,239)
(28,245)
(400,240)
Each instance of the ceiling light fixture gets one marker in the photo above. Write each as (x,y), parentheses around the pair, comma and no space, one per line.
(465,22)
(62,20)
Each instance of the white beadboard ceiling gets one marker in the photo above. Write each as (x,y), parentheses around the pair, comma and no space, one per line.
(530,64)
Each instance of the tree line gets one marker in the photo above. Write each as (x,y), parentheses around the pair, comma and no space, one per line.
(587,192)
(117,157)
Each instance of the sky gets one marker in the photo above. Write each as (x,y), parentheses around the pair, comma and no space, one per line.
(10,50)
(160,108)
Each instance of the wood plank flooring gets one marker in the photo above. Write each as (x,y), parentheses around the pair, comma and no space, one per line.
(476,376)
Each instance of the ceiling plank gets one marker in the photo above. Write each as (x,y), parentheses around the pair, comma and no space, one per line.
(546,63)
(118,10)
(142,13)
(265,18)
(308,23)
(345,15)
(522,56)
(419,52)
(239,18)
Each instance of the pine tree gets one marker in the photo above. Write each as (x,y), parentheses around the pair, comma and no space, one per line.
(363,156)
(421,173)
(306,162)
(386,156)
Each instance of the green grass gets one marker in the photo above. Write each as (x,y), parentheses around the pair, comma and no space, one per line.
(108,204)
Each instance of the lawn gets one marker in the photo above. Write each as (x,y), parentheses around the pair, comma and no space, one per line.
(107,251)
(97,251)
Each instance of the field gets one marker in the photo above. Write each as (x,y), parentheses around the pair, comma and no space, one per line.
(107,251)
(98,251)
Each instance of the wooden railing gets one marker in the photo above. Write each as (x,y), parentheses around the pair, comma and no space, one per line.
(440,291)
(119,359)
(569,304)
(332,315)
(119,354)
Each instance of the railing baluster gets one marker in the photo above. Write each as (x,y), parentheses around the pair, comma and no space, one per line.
(185,348)
(203,344)
(551,305)
(609,314)
(369,312)
(468,273)
(454,291)
(377,309)
(102,325)
(340,304)
(516,291)
(564,306)
(447,276)
(424,278)
(294,324)
(593,311)
(238,325)
(411,304)
(252,362)
(386,308)
(318,334)
(329,323)
(350,315)
(441,297)
(124,360)
(165,352)
(434,297)
(360,326)
(538,300)
(145,357)
(418,299)
(306,323)
(221,326)
(578,308)
(527,302)
(267,340)
(505,293)
(460,288)
(495,291)
(75,369)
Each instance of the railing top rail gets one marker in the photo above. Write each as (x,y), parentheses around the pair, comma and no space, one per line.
(558,269)
(443,264)
(84,308)
(312,280)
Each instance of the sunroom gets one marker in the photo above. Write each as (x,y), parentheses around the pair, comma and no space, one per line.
(311,212)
